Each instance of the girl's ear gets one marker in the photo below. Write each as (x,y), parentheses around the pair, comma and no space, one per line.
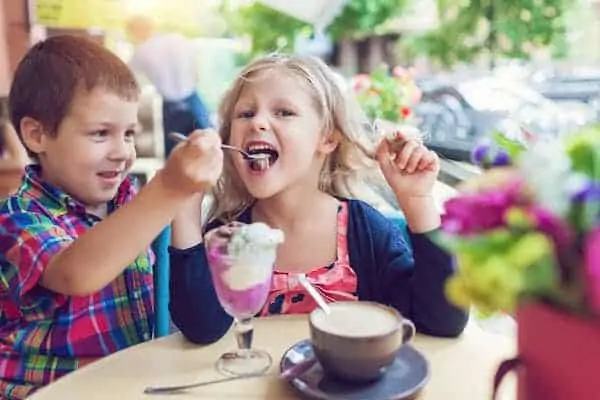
(329,142)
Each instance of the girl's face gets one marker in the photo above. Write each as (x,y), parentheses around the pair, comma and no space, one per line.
(275,114)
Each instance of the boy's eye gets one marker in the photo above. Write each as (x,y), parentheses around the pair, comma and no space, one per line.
(100,134)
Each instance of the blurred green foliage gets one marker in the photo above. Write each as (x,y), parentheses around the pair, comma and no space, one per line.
(497,28)
(270,30)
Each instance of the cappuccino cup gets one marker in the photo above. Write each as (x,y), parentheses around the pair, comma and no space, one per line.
(357,340)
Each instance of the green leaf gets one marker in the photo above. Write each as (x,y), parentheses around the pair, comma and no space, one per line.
(513,147)
(542,278)
(584,151)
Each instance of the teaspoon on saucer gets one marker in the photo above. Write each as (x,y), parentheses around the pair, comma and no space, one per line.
(288,375)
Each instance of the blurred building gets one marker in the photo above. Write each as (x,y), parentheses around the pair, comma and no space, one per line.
(14,39)
(362,55)
(583,33)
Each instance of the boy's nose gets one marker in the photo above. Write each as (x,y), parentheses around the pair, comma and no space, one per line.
(121,149)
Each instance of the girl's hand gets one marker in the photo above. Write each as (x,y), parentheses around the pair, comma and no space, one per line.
(408,166)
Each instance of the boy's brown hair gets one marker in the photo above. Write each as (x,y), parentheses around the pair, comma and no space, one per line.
(52,72)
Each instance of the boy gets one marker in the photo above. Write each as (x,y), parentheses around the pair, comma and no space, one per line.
(75,268)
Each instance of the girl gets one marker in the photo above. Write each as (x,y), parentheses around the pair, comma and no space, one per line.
(292,109)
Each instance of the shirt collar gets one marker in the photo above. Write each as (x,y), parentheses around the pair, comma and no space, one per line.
(54,197)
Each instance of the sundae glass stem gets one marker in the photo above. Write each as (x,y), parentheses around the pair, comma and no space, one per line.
(243,333)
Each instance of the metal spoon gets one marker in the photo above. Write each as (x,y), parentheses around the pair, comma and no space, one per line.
(178,137)
(288,374)
(181,388)
(314,293)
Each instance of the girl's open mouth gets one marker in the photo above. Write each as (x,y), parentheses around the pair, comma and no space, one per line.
(265,163)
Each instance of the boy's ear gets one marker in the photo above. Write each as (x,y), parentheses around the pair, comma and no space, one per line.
(329,142)
(32,133)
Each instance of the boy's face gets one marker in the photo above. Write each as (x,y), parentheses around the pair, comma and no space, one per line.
(94,147)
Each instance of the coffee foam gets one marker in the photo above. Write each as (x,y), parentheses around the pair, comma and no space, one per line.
(355,319)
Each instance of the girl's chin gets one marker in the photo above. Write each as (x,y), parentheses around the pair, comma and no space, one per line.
(261,189)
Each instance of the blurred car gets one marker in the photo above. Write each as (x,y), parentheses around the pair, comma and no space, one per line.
(451,125)
(578,85)
(454,117)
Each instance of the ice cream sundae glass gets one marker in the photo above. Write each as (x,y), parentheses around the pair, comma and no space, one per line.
(241,258)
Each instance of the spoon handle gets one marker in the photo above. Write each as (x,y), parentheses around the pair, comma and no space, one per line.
(288,374)
(180,388)
(228,147)
(178,137)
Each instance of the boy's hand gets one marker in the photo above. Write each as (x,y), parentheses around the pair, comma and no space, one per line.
(194,165)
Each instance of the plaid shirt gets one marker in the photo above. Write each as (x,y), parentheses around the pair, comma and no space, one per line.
(45,335)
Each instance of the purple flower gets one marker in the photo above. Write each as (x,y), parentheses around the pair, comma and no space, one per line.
(475,213)
(592,268)
(480,152)
(487,154)
(589,191)
(501,158)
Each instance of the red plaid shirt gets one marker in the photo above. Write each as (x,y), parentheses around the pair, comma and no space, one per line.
(45,335)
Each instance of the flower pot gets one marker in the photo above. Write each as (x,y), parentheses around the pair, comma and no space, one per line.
(558,355)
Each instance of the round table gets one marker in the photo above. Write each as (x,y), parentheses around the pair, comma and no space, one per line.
(461,368)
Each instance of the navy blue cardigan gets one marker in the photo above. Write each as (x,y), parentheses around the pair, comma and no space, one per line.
(386,272)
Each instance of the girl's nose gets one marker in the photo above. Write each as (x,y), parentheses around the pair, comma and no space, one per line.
(260,122)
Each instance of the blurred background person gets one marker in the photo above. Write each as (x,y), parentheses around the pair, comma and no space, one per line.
(168,61)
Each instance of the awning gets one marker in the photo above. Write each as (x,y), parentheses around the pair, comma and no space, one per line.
(319,13)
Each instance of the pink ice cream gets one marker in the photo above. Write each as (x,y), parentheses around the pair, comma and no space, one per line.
(241,258)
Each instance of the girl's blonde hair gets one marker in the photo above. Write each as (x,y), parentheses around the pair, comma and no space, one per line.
(344,169)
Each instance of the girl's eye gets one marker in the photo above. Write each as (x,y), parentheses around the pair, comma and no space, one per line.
(284,112)
(130,134)
(245,114)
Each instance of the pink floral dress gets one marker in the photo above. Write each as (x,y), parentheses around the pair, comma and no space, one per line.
(336,282)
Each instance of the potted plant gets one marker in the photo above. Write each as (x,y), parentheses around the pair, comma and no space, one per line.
(526,235)
(388,97)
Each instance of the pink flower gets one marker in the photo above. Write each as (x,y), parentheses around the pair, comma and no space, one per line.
(480,212)
(592,268)
(553,226)
(361,82)
(417,95)
(400,72)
